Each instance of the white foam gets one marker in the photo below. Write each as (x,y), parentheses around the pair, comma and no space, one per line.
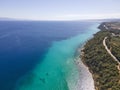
(85,81)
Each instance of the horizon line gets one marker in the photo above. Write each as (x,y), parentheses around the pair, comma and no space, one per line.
(20,19)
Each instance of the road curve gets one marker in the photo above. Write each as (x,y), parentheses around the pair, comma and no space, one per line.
(109,52)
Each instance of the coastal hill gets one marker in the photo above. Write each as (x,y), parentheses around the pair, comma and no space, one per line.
(110,26)
(102,55)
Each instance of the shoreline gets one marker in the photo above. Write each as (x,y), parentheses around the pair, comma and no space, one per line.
(88,68)
(80,60)
(99,62)
(86,73)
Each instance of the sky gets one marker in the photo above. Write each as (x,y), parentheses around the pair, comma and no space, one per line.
(59,9)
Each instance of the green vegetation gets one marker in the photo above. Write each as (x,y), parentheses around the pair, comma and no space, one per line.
(114,46)
(100,63)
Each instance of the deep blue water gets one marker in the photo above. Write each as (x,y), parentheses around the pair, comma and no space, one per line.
(24,43)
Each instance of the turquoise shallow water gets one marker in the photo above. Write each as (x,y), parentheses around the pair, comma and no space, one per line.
(58,70)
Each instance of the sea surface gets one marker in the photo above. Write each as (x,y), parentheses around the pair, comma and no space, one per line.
(41,55)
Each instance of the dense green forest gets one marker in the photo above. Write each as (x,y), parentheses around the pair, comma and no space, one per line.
(102,66)
(114,46)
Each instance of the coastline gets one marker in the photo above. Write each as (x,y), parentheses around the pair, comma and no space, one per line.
(99,62)
(80,62)
(87,79)
(88,68)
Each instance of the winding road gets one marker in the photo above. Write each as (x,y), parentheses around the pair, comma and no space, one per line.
(109,52)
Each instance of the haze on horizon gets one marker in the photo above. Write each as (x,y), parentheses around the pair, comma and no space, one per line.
(59,9)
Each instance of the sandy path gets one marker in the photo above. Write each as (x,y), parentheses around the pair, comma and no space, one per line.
(109,52)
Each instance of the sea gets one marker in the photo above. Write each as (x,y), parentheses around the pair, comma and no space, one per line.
(44,55)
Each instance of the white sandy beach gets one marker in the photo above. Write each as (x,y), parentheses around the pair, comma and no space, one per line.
(86,81)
